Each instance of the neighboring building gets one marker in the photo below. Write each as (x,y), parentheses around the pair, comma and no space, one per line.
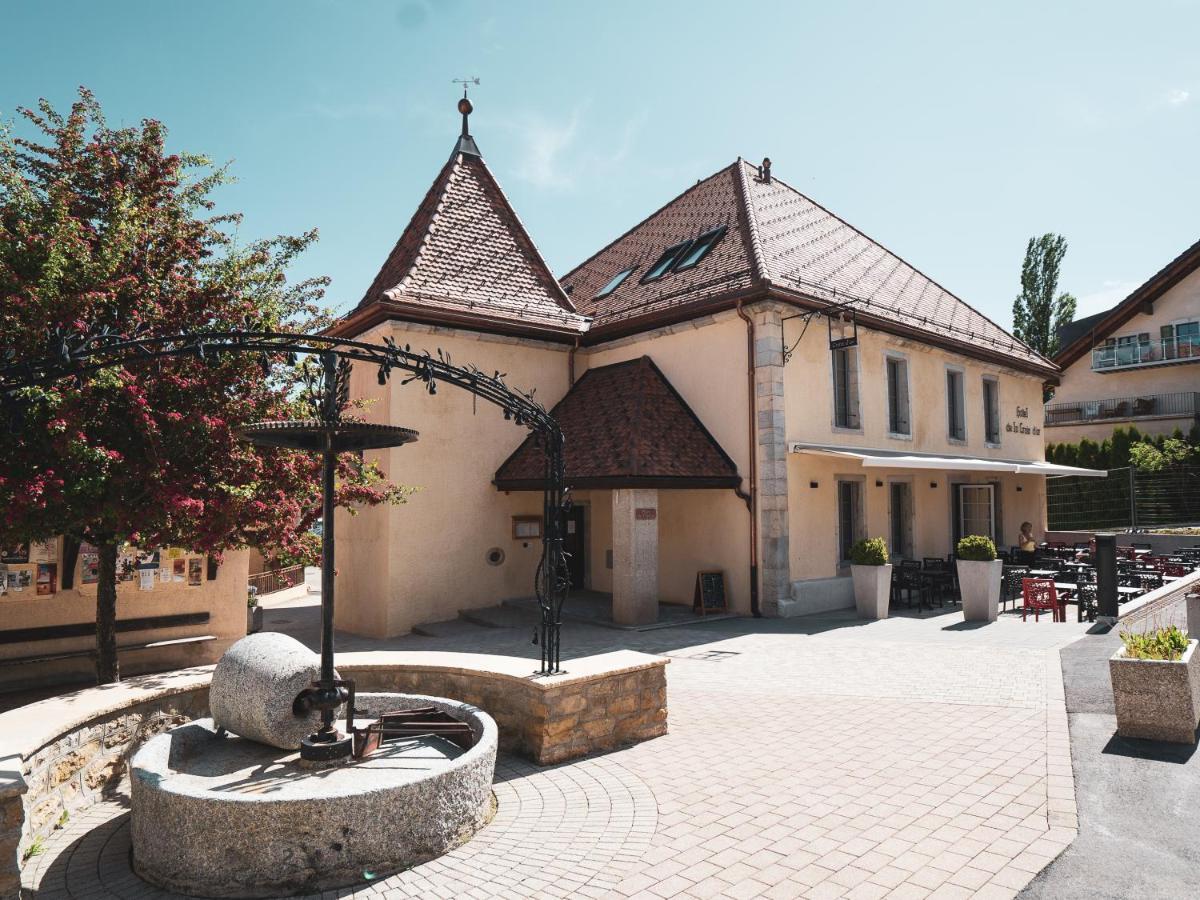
(1135,364)
(707,426)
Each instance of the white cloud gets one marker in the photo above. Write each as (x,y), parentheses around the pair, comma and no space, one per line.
(552,156)
(1109,294)
(542,154)
(1177,97)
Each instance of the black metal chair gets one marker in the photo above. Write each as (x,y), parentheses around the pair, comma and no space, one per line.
(907,579)
(1010,585)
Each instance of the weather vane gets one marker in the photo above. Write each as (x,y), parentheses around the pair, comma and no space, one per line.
(466,83)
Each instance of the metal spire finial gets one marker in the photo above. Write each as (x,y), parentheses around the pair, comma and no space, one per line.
(466,144)
(464,105)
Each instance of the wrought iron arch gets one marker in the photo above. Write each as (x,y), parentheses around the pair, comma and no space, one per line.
(74,355)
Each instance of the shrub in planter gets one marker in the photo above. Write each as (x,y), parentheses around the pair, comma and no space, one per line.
(979,574)
(1156,686)
(976,548)
(872,576)
(869,552)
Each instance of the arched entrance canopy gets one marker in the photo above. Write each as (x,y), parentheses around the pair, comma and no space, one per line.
(74,355)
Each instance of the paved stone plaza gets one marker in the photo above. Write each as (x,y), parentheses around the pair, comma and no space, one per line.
(821,757)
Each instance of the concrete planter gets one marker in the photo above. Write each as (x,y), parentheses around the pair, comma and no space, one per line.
(872,590)
(1155,699)
(979,583)
(254,619)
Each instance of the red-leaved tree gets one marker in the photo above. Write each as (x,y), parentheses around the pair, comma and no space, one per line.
(102,228)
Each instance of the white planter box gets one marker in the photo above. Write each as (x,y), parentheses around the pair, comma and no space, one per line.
(979,583)
(1155,699)
(872,590)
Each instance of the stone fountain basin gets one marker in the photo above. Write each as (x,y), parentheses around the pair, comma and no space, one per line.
(223,816)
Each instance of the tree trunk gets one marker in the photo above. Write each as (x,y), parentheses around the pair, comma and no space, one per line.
(106,615)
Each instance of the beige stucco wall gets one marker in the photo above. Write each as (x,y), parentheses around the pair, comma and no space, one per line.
(224,599)
(1079,382)
(808,385)
(705,361)
(423,561)
(814,551)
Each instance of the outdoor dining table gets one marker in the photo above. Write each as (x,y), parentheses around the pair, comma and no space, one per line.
(1066,594)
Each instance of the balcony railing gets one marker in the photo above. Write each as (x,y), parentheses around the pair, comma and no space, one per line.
(1180,405)
(1147,353)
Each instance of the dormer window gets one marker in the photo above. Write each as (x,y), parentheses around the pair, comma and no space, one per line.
(614,283)
(663,266)
(699,249)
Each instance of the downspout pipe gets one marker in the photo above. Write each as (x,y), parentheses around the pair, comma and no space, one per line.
(571,362)
(752,497)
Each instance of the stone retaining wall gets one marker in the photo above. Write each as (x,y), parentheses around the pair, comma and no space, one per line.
(63,754)
(547,720)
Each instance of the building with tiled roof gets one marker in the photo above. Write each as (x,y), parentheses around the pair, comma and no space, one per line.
(1134,365)
(746,384)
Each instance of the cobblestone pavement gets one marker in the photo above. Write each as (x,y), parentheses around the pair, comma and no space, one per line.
(816,757)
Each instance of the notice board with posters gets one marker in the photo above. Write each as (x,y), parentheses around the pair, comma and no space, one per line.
(709,596)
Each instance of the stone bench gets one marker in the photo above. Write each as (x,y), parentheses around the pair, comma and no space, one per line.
(65,753)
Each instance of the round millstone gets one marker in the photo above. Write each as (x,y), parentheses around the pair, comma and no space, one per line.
(256,684)
(218,816)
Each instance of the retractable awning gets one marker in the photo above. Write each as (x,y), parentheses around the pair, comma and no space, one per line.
(896,459)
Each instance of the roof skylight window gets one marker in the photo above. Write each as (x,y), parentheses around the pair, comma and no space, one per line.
(663,266)
(614,283)
(699,249)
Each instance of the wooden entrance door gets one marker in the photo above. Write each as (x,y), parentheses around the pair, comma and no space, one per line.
(574,545)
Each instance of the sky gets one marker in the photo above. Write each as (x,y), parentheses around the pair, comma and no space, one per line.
(949,132)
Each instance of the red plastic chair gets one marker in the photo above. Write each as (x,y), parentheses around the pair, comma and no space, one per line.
(1175,570)
(1040,595)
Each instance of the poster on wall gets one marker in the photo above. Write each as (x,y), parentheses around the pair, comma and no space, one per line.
(147,569)
(194,572)
(3,579)
(127,563)
(175,553)
(47,579)
(178,568)
(20,579)
(44,551)
(89,564)
(15,553)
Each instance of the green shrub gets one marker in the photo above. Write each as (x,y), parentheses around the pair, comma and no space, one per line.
(977,548)
(869,552)
(1165,643)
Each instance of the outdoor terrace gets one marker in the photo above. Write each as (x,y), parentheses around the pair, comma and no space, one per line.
(1180,405)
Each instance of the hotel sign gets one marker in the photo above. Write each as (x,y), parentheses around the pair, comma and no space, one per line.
(1019,427)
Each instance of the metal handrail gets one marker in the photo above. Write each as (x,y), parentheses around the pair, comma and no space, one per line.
(1145,353)
(1182,403)
(276,579)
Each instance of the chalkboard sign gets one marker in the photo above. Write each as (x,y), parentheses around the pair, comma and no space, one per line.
(710,593)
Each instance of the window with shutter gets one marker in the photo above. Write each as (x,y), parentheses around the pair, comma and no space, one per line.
(991,410)
(845,388)
(956,424)
(897,386)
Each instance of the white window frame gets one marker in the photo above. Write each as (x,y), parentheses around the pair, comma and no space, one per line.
(962,506)
(895,356)
(962,378)
(995,381)
(857,369)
